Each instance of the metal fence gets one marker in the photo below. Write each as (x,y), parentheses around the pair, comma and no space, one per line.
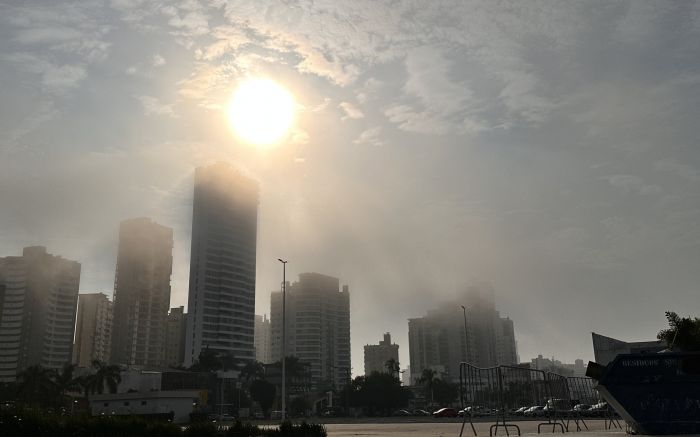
(507,393)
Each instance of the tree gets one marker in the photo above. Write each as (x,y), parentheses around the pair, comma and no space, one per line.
(445,392)
(252,370)
(263,393)
(683,333)
(104,375)
(427,377)
(35,385)
(64,381)
(379,393)
(392,366)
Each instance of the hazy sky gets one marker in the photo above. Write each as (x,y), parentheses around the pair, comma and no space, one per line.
(551,149)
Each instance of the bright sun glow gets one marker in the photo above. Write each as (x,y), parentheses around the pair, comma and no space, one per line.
(261,111)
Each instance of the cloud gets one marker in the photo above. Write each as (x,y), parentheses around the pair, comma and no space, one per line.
(158,61)
(153,106)
(684,171)
(351,111)
(370,136)
(630,184)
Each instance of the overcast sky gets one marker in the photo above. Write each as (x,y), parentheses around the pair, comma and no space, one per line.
(551,149)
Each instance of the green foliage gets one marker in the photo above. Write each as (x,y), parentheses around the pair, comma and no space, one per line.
(288,429)
(201,429)
(210,361)
(683,333)
(105,375)
(264,393)
(35,386)
(37,425)
(242,430)
(378,393)
(445,392)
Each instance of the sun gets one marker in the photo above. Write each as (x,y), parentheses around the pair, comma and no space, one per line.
(261,111)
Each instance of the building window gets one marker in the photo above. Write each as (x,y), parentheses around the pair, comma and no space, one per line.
(144,402)
(106,404)
(126,404)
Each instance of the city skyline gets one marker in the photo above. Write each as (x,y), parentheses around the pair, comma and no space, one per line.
(549,149)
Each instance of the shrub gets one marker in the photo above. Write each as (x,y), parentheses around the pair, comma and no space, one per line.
(243,430)
(201,429)
(288,429)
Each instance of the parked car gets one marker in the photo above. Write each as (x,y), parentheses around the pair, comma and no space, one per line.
(445,412)
(225,418)
(420,413)
(402,413)
(598,410)
(518,411)
(582,409)
(535,411)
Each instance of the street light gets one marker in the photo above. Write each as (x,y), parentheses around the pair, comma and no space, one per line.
(466,337)
(284,336)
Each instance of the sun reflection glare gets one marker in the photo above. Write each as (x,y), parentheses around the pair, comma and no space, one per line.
(261,111)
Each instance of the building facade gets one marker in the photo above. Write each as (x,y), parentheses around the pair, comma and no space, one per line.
(38,305)
(221,301)
(175,337)
(93,329)
(263,341)
(376,355)
(606,349)
(577,368)
(440,340)
(318,327)
(141,293)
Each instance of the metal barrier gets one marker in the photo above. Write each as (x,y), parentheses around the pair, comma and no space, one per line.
(504,392)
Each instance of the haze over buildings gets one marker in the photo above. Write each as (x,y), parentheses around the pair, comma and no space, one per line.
(263,339)
(141,293)
(93,329)
(318,327)
(376,355)
(37,311)
(547,147)
(175,337)
(438,340)
(221,304)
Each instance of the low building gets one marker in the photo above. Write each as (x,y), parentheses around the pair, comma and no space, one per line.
(555,366)
(175,405)
(606,349)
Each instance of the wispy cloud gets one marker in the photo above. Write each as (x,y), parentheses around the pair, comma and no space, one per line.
(351,111)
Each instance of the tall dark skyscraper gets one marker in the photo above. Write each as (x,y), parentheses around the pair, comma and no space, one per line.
(142,293)
(38,300)
(221,306)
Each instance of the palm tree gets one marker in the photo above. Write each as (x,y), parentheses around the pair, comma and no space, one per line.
(252,370)
(428,377)
(104,375)
(34,384)
(392,366)
(64,381)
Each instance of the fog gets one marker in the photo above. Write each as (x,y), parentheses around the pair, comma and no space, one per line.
(549,149)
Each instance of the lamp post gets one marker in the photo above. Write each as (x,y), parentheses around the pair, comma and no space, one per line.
(284,337)
(466,337)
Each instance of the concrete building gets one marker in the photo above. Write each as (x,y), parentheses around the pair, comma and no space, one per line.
(263,340)
(438,340)
(376,355)
(606,349)
(222,264)
(38,305)
(93,330)
(141,293)
(318,328)
(555,366)
(175,337)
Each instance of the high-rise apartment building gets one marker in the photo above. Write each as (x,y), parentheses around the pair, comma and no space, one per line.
(141,294)
(376,355)
(222,264)
(37,316)
(263,339)
(175,337)
(93,330)
(318,327)
(438,340)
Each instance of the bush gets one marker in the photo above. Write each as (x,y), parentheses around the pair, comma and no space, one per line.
(288,429)
(243,430)
(202,429)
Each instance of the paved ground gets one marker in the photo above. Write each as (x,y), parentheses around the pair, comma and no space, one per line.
(596,428)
